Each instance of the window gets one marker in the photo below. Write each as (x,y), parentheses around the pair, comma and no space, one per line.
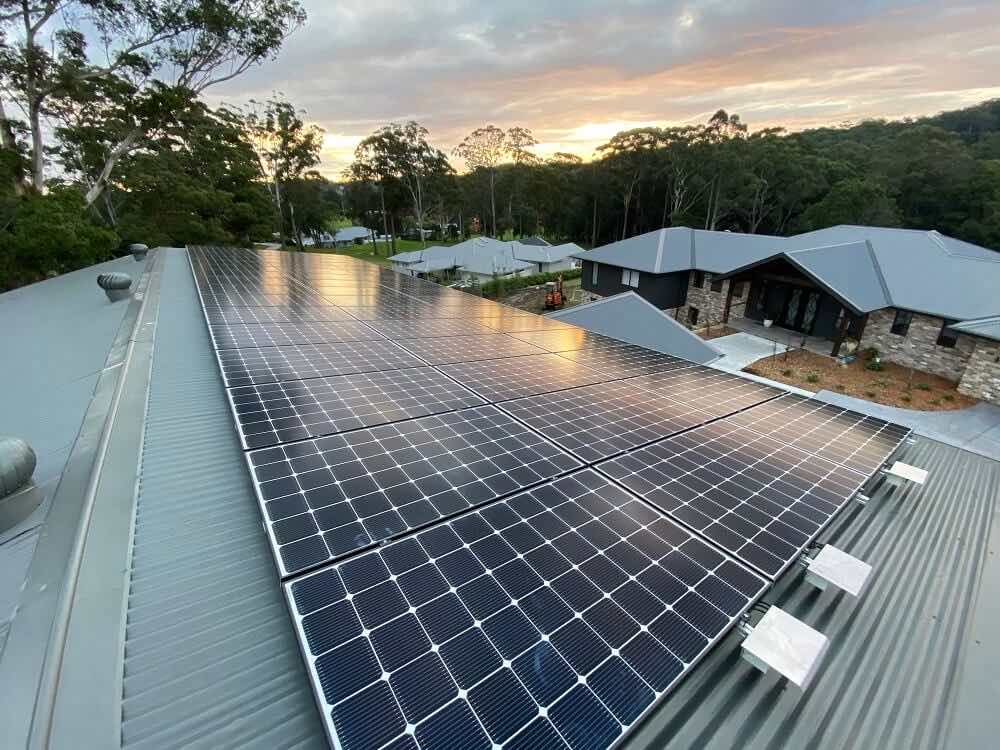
(630,278)
(693,316)
(699,279)
(593,275)
(901,323)
(947,337)
(716,286)
(738,291)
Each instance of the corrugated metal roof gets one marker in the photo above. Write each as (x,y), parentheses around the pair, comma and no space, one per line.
(210,657)
(629,317)
(898,658)
(988,328)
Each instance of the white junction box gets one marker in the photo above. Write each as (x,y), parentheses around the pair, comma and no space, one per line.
(900,472)
(834,567)
(787,645)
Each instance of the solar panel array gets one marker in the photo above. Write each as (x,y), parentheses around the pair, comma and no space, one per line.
(563,524)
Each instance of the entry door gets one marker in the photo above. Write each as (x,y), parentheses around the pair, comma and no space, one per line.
(800,310)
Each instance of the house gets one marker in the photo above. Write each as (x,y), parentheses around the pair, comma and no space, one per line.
(534,240)
(479,259)
(922,299)
(548,258)
(141,605)
(351,236)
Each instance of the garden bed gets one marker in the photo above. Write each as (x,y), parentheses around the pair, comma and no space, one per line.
(893,385)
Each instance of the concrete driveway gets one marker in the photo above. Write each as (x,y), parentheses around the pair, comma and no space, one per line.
(742,349)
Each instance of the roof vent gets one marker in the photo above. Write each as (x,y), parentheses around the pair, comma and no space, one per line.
(115,285)
(17,464)
(138,251)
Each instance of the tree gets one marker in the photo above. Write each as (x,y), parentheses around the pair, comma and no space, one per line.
(853,201)
(154,52)
(415,164)
(627,155)
(286,148)
(484,149)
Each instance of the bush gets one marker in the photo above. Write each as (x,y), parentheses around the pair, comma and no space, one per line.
(51,234)
(812,378)
(922,387)
(905,399)
(498,287)
(787,372)
(948,397)
(874,365)
(935,402)
(870,394)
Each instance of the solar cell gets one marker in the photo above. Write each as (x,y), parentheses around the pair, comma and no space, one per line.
(327,497)
(626,361)
(598,421)
(272,364)
(718,393)
(440,351)
(284,412)
(281,334)
(410,329)
(513,323)
(756,497)
(846,437)
(502,379)
(568,339)
(555,618)
(251,315)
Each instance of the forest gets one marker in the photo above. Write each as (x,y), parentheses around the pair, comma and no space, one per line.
(97,155)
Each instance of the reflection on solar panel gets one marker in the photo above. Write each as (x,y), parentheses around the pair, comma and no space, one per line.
(295,410)
(250,315)
(568,339)
(281,334)
(756,497)
(716,392)
(411,329)
(626,361)
(502,379)
(299,361)
(440,351)
(515,323)
(556,618)
(846,437)
(327,497)
(599,421)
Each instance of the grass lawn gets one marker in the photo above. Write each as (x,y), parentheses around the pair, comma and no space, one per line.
(893,385)
(384,250)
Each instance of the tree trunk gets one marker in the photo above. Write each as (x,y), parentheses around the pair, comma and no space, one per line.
(123,147)
(295,227)
(38,148)
(281,212)
(385,218)
(493,202)
(9,143)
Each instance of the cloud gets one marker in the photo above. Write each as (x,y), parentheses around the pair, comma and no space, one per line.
(577,72)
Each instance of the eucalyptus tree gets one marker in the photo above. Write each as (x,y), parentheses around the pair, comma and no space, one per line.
(485,149)
(155,54)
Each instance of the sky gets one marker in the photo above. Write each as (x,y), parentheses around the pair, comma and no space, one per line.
(577,71)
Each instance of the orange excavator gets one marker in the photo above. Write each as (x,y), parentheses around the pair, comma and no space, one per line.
(554,294)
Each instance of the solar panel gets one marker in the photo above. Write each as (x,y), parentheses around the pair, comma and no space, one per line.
(281,334)
(327,497)
(846,437)
(626,361)
(502,379)
(515,323)
(568,339)
(410,329)
(556,618)
(718,393)
(598,421)
(441,351)
(294,410)
(272,364)
(756,497)
(251,315)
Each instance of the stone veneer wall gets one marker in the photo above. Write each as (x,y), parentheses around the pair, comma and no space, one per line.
(711,305)
(982,374)
(918,348)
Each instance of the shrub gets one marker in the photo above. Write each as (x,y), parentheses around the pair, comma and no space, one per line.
(948,397)
(840,387)
(870,394)
(874,365)
(906,399)
(922,387)
(812,377)
(935,402)
(787,372)
(500,286)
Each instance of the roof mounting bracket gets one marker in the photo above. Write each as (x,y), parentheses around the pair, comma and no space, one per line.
(862,499)
(785,644)
(900,473)
(835,568)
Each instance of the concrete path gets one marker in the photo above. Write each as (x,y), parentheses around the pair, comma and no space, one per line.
(976,429)
(742,349)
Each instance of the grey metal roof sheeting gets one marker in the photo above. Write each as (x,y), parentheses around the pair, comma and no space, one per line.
(547,253)
(210,657)
(350,234)
(988,328)
(923,271)
(629,317)
(910,665)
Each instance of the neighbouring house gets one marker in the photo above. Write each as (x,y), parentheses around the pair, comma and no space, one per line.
(351,236)
(482,259)
(534,240)
(629,317)
(923,299)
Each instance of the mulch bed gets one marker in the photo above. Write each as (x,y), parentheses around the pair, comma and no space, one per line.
(893,385)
